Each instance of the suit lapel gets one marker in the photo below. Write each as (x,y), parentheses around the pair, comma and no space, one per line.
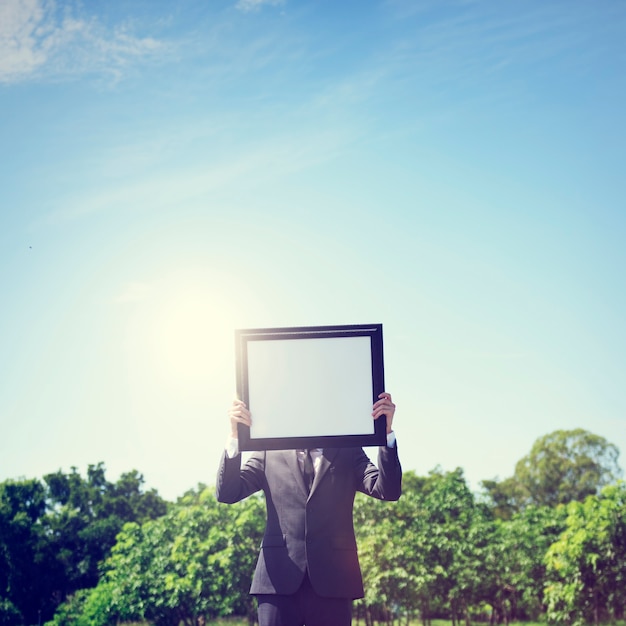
(326,460)
(294,466)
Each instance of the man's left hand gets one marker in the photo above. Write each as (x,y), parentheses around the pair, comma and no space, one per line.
(384,406)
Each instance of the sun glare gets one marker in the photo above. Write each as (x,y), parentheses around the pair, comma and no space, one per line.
(183,332)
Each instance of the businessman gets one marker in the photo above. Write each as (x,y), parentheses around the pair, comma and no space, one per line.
(308,571)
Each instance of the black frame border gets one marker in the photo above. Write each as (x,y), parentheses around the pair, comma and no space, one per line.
(373,331)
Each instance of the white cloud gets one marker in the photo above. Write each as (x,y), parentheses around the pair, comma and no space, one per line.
(37,38)
(254,5)
(20,50)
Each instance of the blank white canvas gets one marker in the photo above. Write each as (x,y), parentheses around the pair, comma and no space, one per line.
(310,387)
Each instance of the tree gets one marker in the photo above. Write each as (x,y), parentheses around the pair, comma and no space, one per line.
(9,615)
(440,552)
(392,568)
(195,562)
(513,568)
(85,516)
(587,565)
(26,566)
(503,497)
(54,534)
(562,466)
(422,554)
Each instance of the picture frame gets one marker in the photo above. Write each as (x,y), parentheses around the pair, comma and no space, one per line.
(310,387)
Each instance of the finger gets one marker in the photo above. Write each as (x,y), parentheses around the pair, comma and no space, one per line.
(384,398)
(383,405)
(239,413)
(384,402)
(241,419)
(383,409)
(238,407)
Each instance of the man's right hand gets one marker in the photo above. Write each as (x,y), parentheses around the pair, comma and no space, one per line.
(238,414)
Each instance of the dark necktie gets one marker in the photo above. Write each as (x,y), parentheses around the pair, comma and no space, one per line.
(308,470)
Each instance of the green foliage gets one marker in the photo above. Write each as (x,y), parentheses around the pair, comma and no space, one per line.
(9,615)
(24,552)
(587,564)
(422,555)
(87,515)
(562,466)
(505,497)
(514,561)
(567,465)
(55,532)
(195,562)
(439,551)
(72,611)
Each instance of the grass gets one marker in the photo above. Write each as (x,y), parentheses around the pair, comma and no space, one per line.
(435,622)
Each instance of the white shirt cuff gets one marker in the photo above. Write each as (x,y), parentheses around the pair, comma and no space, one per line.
(391,439)
(232,447)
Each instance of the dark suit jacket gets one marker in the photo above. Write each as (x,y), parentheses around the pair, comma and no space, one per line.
(313,531)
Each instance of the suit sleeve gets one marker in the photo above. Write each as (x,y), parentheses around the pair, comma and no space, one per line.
(234,483)
(383,482)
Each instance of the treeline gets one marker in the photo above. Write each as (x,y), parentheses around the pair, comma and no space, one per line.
(56,532)
(547,543)
(441,553)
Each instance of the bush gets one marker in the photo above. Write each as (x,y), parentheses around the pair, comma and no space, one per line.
(87,607)
(9,615)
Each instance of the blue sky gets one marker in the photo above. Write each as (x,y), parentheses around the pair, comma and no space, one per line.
(173,171)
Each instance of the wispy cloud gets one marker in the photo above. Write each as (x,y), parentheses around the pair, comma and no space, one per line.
(253,166)
(248,6)
(39,39)
(472,40)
